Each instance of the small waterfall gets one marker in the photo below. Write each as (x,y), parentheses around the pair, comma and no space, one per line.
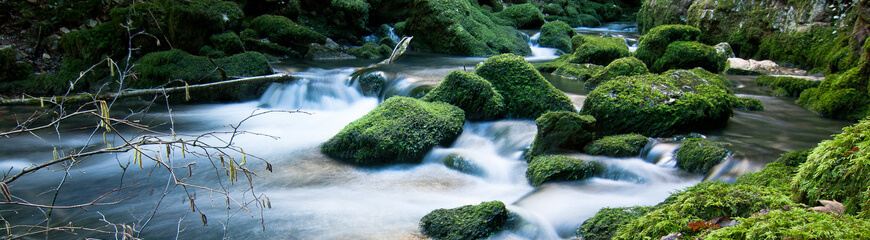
(315,89)
(540,53)
(661,153)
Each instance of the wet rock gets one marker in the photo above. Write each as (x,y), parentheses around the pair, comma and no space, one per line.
(554,168)
(562,131)
(626,145)
(526,93)
(466,222)
(700,155)
(470,92)
(724,50)
(752,66)
(399,130)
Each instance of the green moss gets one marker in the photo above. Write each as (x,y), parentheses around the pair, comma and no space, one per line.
(161,68)
(581,72)
(554,168)
(794,158)
(371,51)
(553,9)
(581,20)
(523,16)
(556,34)
(93,45)
(838,170)
(253,43)
(774,175)
(822,48)
(283,31)
(399,130)
(842,96)
(561,131)
(470,93)
(526,93)
(626,145)
(191,23)
(598,50)
(459,163)
(660,105)
(555,64)
(228,42)
(10,68)
(786,86)
(699,155)
(701,202)
(688,55)
(652,46)
(604,224)
(795,224)
(466,222)
(748,104)
(456,27)
(628,66)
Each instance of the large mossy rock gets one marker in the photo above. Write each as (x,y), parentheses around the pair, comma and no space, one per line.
(598,50)
(471,93)
(626,145)
(562,131)
(838,169)
(190,24)
(523,16)
(688,55)
(795,224)
(284,32)
(97,43)
(661,105)
(604,224)
(557,34)
(526,93)
(466,222)
(652,46)
(556,168)
(399,130)
(627,66)
(456,27)
(702,202)
(700,155)
(371,51)
(841,96)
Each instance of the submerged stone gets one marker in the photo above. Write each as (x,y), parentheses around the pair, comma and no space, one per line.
(471,93)
(526,93)
(555,168)
(399,130)
(466,222)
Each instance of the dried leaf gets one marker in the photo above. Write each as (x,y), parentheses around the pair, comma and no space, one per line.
(269,167)
(5,190)
(830,207)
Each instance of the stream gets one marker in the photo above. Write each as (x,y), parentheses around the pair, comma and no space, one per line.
(315,197)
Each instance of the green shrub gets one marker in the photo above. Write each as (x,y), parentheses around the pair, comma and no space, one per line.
(652,46)
(688,55)
(526,93)
(660,105)
(561,131)
(466,222)
(598,50)
(699,155)
(399,130)
(786,86)
(748,104)
(604,224)
(627,66)
(470,93)
(794,224)
(556,34)
(626,145)
(523,16)
(556,168)
(838,169)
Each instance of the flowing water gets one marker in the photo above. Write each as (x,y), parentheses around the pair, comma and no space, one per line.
(315,197)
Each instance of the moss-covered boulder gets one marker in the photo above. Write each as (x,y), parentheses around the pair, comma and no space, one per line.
(229,43)
(784,86)
(841,96)
(526,93)
(748,104)
(626,145)
(838,170)
(94,44)
(653,45)
(399,130)
(456,27)
(604,224)
(598,50)
(775,175)
(466,222)
(556,168)
(556,34)
(661,105)
(190,24)
(10,68)
(702,202)
(562,131)
(795,224)
(159,68)
(699,155)
(470,93)
(284,32)
(688,55)
(371,51)
(627,66)
(523,16)
(579,71)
